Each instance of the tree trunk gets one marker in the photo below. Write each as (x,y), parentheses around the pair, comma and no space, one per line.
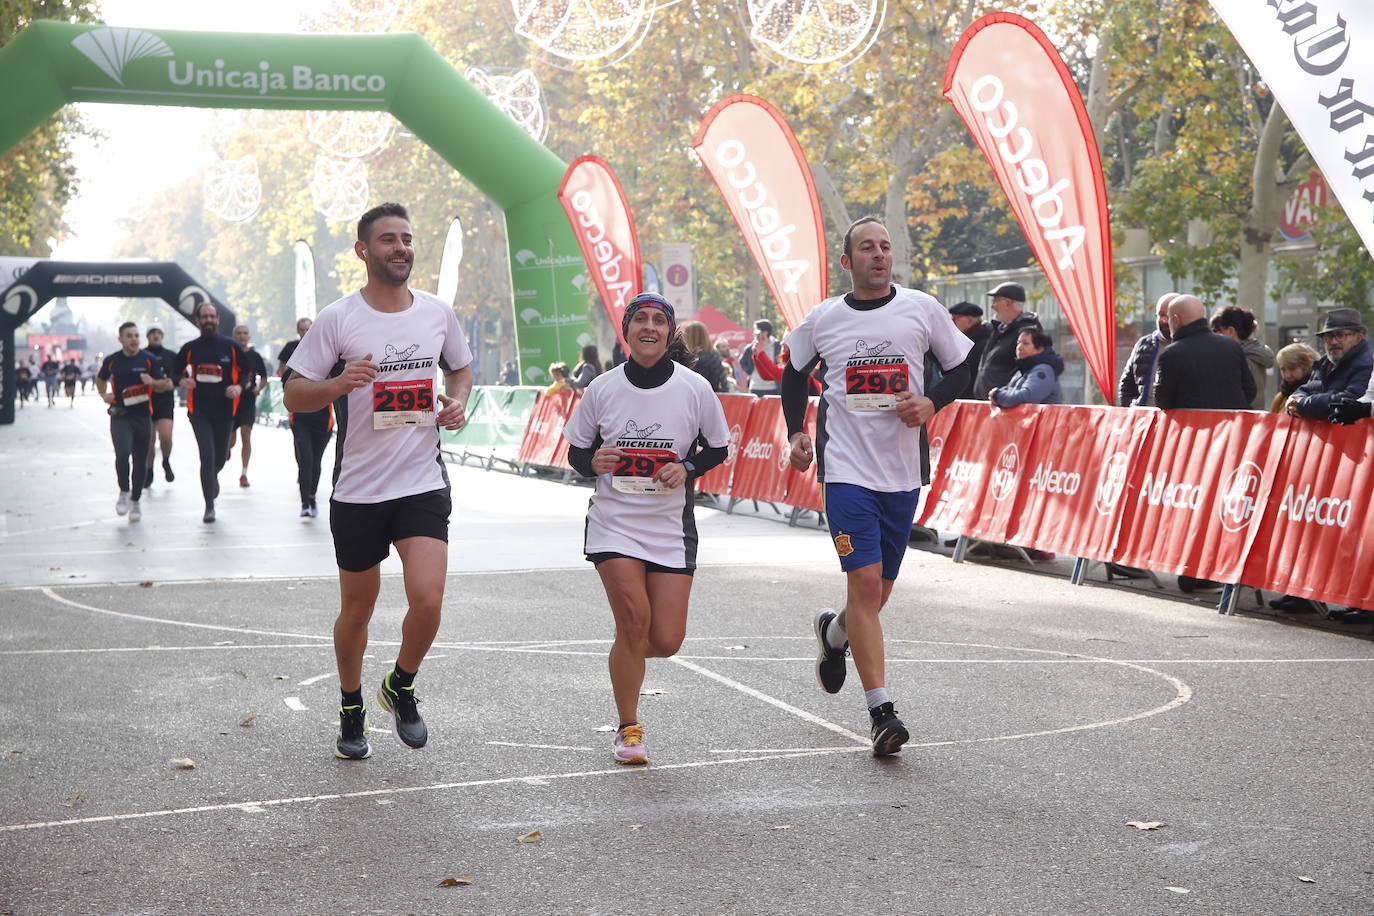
(1269,188)
(908,160)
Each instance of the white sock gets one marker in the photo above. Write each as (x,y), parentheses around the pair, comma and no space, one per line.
(835,635)
(876,697)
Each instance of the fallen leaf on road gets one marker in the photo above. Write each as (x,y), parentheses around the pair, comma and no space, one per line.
(247,722)
(1178,890)
(652,693)
(605,728)
(77,800)
(534,836)
(1145,825)
(1303,878)
(464,881)
(183,763)
(781,827)
(278,677)
(143,584)
(736,647)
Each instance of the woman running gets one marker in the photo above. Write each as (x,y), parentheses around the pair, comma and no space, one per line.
(645,430)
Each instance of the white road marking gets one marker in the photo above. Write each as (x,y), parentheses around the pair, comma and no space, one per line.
(182,623)
(316,679)
(293,645)
(772,701)
(548,747)
(788,750)
(252,806)
(294,703)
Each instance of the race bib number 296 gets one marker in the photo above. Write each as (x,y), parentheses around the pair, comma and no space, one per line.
(402,402)
(874,386)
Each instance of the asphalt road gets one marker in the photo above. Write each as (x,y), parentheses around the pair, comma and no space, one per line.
(1045,719)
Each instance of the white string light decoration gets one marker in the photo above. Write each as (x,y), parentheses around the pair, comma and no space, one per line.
(338,188)
(815,33)
(233,191)
(518,95)
(355,16)
(583,31)
(350,134)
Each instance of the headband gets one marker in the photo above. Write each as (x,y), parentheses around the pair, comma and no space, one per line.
(648,300)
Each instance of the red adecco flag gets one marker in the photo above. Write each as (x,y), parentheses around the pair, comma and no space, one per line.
(759,168)
(600,216)
(1021,104)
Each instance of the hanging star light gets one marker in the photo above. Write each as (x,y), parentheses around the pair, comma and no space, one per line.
(338,188)
(350,134)
(355,16)
(232,189)
(815,34)
(583,31)
(518,95)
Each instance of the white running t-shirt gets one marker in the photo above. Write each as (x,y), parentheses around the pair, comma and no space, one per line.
(388,444)
(628,514)
(868,356)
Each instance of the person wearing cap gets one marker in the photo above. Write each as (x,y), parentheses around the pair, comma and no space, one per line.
(645,430)
(968,318)
(999,355)
(1136,387)
(1343,373)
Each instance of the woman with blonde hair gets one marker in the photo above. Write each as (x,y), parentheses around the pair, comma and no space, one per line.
(708,364)
(1295,363)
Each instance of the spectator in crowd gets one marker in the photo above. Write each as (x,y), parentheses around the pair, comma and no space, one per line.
(969,319)
(1136,387)
(510,376)
(23,375)
(1201,370)
(1295,363)
(733,373)
(762,379)
(708,364)
(1038,368)
(559,373)
(999,354)
(1343,373)
(588,368)
(1239,325)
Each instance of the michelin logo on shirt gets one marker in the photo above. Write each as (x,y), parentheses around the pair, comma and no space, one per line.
(864,355)
(634,437)
(396,359)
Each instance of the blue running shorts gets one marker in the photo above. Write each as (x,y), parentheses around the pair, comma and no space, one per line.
(868,526)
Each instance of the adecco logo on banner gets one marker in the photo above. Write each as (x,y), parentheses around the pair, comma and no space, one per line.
(112,50)
(753,196)
(1005,472)
(1304,508)
(1112,482)
(1238,498)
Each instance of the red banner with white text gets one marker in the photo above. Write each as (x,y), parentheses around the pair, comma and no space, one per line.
(755,160)
(981,465)
(600,216)
(762,463)
(737,408)
(803,489)
(1023,108)
(544,444)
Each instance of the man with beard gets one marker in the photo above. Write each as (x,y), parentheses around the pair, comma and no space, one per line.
(390,486)
(246,414)
(1342,374)
(164,403)
(213,373)
(1136,387)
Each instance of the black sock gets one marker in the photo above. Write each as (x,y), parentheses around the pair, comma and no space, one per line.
(352,697)
(624,725)
(401,678)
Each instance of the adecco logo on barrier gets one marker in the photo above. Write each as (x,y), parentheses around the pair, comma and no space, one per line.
(1005,472)
(1047,479)
(1112,482)
(1304,508)
(1238,497)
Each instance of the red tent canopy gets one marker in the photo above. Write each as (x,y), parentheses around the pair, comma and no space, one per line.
(720,326)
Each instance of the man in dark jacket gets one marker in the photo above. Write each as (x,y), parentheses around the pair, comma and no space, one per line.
(1201,370)
(1343,373)
(999,356)
(1136,387)
(968,318)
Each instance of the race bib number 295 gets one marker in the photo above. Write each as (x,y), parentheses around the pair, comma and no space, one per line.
(402,402)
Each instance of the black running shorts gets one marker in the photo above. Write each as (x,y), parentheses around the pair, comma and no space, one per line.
(597,559)
(364,532)
(164,405)
(247,413)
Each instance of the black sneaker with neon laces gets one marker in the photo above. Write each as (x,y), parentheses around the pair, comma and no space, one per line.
(889,734)
(352,744)
(829,661)
(405,716)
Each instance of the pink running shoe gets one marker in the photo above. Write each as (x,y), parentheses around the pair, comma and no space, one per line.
(629,746)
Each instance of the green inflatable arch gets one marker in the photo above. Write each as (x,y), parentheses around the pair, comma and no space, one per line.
(50,64)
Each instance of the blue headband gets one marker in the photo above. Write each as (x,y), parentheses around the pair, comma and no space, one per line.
(648,300)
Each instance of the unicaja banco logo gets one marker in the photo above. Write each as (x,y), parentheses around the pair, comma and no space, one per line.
(112,49)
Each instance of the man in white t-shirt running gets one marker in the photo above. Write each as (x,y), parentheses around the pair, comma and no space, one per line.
(373,355)
(870,449)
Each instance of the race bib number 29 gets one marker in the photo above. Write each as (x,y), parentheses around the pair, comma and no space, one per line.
(874,386)
(402,402)
(634,472)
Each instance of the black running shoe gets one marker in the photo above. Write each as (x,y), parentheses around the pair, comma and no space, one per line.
(352,743)
(829,661)
(167,470)
(209,515)
(405,717)
(889,734)
(148,481)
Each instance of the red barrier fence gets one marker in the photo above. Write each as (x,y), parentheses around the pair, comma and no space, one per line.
(1263,499)
(544,443)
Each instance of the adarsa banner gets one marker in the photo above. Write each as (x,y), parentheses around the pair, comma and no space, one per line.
(758,166)
(592,197)
(1317,56)
(1023,109)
